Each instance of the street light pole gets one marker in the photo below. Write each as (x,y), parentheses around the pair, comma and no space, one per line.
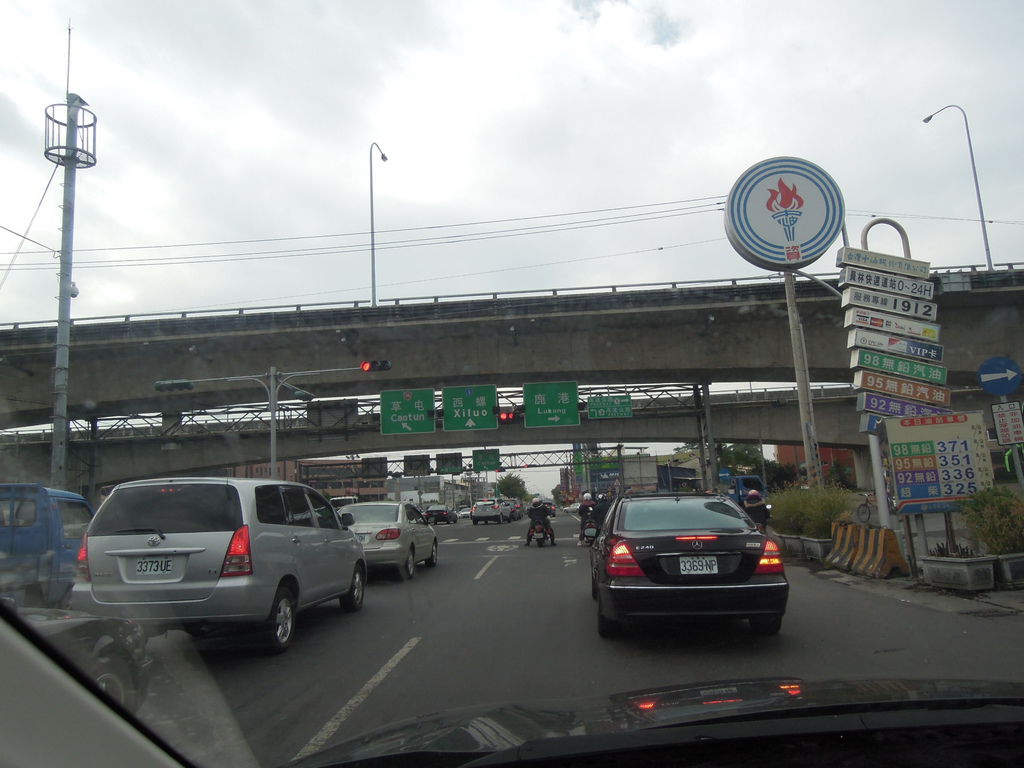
(974,171)
(373,236)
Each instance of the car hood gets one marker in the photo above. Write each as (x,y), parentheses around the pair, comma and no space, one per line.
(482,730)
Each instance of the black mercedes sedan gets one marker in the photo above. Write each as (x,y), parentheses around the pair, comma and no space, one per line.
(685,555)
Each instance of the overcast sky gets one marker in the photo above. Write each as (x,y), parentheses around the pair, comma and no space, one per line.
(618,127)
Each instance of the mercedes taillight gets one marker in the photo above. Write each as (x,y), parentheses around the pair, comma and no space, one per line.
(621,561)
(771,559)
(238,560)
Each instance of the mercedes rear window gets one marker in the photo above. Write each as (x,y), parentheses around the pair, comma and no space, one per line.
(680,514)
(373,513)
(171,508)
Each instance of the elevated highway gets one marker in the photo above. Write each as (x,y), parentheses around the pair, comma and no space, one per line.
(137,447)
(735,331)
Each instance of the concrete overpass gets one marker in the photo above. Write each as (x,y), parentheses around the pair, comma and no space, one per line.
(128,453)
(731,331)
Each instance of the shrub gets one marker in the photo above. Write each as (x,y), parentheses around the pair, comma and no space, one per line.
(807,511)
(996,519)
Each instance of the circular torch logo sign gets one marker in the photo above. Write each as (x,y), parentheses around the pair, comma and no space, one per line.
(783,213)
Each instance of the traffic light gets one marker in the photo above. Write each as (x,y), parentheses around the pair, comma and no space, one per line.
(510,416)
(375,365)
(172,385)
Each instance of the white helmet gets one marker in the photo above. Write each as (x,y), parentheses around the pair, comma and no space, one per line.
(587,497)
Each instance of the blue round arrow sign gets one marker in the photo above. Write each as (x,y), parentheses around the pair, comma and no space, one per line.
(999,375)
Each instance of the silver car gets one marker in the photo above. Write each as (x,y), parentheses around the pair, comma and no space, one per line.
(215,553)
(394,534)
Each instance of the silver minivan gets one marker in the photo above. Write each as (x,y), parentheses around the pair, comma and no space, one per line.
(215,553)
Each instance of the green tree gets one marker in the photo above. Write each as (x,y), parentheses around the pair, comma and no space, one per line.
(741,458)
(511,486)
(779,475)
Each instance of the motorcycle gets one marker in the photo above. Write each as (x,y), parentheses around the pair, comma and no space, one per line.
(539,533)
(589,532)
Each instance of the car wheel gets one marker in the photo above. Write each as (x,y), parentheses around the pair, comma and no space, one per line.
(281,622)
(431,561)
(607,627)
(407,569)
(766,625)
(113,676)
(352,600)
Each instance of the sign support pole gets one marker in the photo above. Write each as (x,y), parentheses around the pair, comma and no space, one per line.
(811,457)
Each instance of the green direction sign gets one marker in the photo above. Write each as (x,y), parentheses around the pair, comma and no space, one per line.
(469,408)
(551,404)
(912,369)
(406,411)
(610,407)
(449,463)
(486,460)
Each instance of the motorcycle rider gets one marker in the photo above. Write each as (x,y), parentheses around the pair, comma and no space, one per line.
(757,510)
(587,507)
(538,512)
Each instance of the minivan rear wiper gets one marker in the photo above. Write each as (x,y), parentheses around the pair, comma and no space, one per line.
(141,530)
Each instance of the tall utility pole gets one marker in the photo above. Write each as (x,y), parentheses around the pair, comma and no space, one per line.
(71,142)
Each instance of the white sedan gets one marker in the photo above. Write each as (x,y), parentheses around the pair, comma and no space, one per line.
(394,534)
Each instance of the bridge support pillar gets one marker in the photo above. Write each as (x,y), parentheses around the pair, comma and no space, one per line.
(862,468)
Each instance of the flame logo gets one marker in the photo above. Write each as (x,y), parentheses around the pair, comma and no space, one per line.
(784,198)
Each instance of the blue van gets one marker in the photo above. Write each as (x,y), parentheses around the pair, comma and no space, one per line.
(40,535)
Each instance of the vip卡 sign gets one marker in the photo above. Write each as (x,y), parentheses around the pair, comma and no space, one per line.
(897,345)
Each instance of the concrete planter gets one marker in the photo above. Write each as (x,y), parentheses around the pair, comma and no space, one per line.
(1010,571)
(816,549)
(975,574)
(794,545)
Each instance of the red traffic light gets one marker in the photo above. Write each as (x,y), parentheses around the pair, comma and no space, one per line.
(375,365)
(508,417)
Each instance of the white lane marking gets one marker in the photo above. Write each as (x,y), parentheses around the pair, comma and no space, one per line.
(514,538)
(448,541)
(484,538)
(484,569)
(331,726)
(501,547)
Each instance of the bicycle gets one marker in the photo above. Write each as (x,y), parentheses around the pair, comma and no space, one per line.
(867,508)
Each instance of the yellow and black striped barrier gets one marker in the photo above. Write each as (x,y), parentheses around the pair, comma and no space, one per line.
(873,552)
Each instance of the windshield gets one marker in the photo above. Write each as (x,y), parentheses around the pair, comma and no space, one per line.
(168,508)
(303,303)
(374,513)
(680,514)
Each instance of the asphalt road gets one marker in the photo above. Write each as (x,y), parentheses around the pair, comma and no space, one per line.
(496,621)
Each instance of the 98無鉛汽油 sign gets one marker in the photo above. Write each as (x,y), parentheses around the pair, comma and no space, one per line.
(783,213)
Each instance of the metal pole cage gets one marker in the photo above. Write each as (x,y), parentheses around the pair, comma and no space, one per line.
(81,150)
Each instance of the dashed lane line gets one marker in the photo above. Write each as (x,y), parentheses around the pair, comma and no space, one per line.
(331,726)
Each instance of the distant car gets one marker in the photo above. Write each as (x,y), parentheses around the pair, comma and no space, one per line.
(487,511)
(465,512)
(687,556)
(342,501)
(207,554)
(572,509)
(112,652)
(394,535)
(438,513)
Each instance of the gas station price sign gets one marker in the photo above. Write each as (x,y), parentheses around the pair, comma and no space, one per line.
(937,461)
